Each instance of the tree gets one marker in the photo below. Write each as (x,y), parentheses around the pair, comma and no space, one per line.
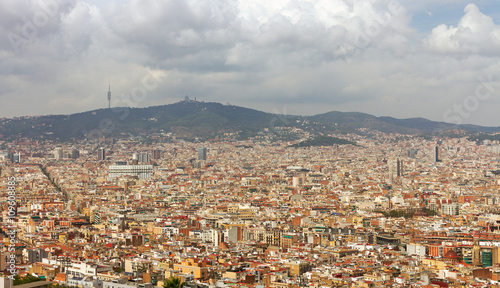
(18,280)
(57,285)
(173,282)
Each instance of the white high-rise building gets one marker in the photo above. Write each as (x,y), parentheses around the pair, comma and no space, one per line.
(58,153)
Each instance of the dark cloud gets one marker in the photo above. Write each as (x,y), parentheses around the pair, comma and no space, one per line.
(309,56)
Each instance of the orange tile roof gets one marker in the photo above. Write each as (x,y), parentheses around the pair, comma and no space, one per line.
(61,277)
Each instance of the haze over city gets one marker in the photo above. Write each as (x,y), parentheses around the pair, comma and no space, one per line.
(395,58)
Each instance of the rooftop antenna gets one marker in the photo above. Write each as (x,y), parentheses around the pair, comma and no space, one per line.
(109,95)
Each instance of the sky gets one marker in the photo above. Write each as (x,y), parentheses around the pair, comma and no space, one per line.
(437,59)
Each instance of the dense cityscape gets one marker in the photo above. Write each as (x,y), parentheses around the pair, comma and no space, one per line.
(390,211)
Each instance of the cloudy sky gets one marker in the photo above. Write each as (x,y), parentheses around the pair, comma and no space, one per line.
(438,59)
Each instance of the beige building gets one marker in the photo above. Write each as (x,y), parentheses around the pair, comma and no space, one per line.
(193,266)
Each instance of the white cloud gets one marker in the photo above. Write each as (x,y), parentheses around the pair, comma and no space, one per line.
(475,33)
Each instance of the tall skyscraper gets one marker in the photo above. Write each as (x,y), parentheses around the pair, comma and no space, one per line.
(157,154)
(58,153)
(202,153)
(399,167)
(143,157)
(17,157)
(395,169)
(435,154)
(109,95)
(101,154)
(10,156)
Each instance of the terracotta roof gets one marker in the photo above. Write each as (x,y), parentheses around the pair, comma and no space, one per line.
(61,277)
(451,254)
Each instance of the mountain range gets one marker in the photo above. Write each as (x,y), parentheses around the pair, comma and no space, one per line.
(207,120)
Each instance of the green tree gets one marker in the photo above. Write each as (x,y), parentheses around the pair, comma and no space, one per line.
(18,280)
(173,282)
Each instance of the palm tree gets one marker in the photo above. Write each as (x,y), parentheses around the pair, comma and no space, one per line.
(173,282)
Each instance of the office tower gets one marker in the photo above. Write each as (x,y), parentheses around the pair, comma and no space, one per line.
(10,156)
(435,154)
(157,154)
(399,167)
(202,153)
(143,157)
(58,153)
(75,154)
(395,169)
(16,158)
(101,154)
